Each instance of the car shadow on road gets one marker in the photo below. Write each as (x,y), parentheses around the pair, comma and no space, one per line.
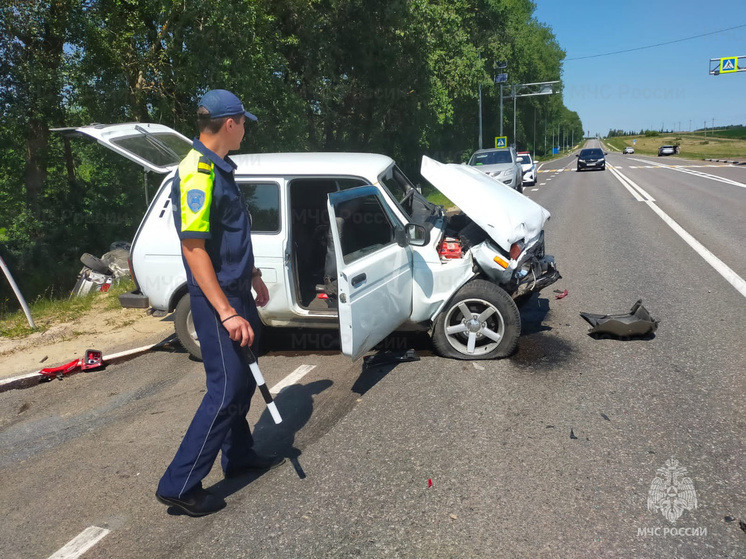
(538,351)
(533,312)
(295,403)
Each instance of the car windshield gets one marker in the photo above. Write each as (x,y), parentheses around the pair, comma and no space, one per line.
(401,189)
(595,152)
(491,158)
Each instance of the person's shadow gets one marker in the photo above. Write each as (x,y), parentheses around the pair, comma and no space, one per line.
(295,404)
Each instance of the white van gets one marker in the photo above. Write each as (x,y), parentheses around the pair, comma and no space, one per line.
(391,261)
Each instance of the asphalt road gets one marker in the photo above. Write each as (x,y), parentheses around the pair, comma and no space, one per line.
(550,453)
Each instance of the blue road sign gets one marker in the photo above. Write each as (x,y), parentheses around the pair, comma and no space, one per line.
(501,141)
(729,64)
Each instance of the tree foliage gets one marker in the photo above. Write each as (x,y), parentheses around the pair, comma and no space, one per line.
(399,77)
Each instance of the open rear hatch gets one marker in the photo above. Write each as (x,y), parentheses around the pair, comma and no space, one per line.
(156,147)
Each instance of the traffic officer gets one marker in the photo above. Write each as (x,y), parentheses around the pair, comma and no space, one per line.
(214,226)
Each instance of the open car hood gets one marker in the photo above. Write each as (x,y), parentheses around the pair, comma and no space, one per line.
(506,215)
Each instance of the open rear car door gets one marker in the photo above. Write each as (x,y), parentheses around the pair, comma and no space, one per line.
(374,268)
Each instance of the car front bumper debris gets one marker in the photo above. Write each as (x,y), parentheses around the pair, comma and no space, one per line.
(540,273)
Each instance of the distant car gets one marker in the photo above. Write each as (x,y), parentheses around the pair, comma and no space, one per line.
(591,158)
(529,167)
(666,150)
(501,164)
(628,150)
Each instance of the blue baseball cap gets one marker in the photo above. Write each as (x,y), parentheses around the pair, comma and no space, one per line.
(221,102)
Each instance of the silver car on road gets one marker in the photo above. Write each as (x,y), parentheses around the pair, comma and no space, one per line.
(502,164)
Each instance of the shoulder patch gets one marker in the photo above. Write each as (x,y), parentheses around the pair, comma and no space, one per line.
(204,165)
(195,199)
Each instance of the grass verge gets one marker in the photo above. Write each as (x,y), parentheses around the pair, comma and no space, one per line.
(693,146)
(47,311)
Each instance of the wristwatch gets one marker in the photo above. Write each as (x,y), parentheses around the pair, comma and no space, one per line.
(257,273)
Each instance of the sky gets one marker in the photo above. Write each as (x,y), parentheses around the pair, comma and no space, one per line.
(665,87)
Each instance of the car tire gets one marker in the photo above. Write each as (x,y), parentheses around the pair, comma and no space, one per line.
(95,264)
(184,326)
(452,336)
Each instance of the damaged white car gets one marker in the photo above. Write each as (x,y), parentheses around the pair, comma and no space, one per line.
(390,261)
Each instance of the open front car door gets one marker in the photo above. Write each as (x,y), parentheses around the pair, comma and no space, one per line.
(374,268)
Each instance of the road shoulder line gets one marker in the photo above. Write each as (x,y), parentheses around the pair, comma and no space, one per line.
(81,543)
(292,378)
(720,267)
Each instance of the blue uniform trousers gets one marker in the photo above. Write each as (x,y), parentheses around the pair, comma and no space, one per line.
(220,422)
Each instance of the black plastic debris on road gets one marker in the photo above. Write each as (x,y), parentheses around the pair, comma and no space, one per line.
(634,324)
(391,358)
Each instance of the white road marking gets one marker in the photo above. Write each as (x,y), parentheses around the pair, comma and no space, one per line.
(700,174)
(720,267)
(638,193)
(542,184)
(292,378)
(81,543)
(534,189)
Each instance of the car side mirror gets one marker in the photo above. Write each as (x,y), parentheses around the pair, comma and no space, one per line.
(417,235)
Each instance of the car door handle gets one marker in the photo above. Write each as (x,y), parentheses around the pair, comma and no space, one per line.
(357,280)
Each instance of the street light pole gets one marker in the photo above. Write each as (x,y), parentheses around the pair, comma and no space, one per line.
(545,134)
(515,143)
(533,145)
(501,109)
(539,88)
(480,116)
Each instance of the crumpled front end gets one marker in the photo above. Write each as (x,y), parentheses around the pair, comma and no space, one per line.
(529,272)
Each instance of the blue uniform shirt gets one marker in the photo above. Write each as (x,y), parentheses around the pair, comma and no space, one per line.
(207,204)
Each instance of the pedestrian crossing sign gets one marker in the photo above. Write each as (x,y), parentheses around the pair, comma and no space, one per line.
(729,64)
(501,141)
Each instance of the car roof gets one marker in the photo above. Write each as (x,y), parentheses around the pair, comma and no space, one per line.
(309,163)
(488,150)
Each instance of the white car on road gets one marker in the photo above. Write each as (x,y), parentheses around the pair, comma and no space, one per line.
(528,166)
(390,260)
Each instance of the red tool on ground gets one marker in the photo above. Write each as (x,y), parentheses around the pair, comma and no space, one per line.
(93,359)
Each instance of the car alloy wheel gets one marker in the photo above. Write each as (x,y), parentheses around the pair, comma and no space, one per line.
(480,322)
